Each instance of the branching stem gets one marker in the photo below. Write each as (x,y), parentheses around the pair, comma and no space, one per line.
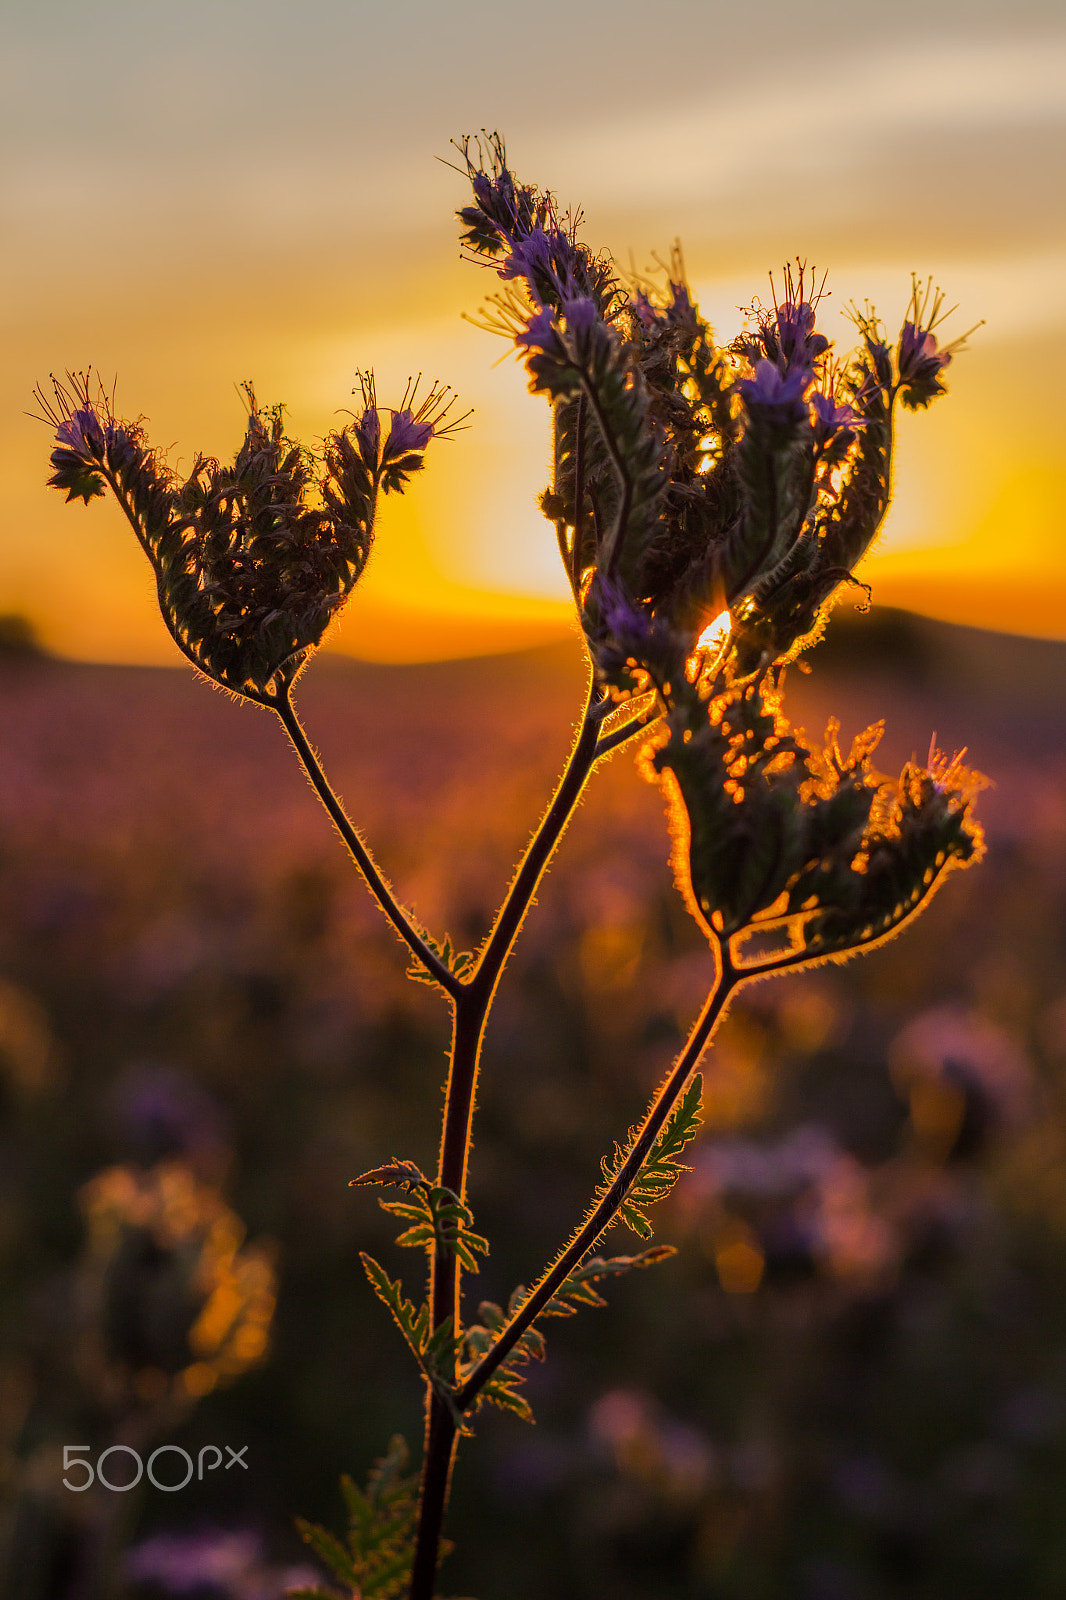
(472,1004)
(606,1209)
(376,883)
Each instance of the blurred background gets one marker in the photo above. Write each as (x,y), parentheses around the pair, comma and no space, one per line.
(849,1384)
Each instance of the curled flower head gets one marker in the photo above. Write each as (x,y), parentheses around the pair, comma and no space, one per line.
(83,432)
(85,429)
(503,211)
(407,433)
(549,262)
(797,342)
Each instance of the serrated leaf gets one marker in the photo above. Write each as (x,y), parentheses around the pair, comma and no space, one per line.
(394,1174)
(411,1323)
(501,1391)
(661,1168)
(375,1562)
(578,1288)
(491,1314)
(438,1219)
(458,962)
(333,1553)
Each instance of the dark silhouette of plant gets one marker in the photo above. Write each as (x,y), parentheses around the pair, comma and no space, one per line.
(709,504)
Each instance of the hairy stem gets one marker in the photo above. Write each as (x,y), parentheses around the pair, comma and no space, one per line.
(441,1435)
(377,885)
(628,730)
(524,885)
(472,1005)
(604,1212)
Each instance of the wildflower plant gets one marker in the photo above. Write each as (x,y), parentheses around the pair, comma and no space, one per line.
(710,503)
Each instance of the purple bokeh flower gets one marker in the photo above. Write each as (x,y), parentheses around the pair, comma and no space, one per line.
(215,1563)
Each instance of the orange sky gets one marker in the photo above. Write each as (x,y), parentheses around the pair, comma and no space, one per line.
(202,194)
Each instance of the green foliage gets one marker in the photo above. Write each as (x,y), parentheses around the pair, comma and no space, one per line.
(660,1169)
(459,962)
(373,1560)
(502,1389)
(578,1290)
(438,1218)
(434,1349)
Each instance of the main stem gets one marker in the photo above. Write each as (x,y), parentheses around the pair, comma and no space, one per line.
(472,1005)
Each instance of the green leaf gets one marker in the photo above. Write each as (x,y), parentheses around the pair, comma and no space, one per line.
(661,1168)
(458,962)
(374,1559)
(438,1218)
(578,1288)
(435,1350)
(331,1550)
(397,1174)
(412,1324)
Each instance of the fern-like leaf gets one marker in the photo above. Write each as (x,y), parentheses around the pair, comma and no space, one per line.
(374,1559)
(460,963)
(436,1217)
(661,1168)
(578,1290)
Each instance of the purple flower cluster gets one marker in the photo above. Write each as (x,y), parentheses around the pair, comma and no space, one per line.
(391,457)
(834,424)
(920,363)
(82,432)
(798,347)
(547,259)
(777,396)
(785,350)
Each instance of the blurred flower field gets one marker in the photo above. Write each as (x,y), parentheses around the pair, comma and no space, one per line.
(850,1384)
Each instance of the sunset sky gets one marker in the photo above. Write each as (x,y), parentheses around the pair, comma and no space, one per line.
(196,194)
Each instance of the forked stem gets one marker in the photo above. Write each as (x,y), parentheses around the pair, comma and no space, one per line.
(607,1207)
(472,1005)
(376,883)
